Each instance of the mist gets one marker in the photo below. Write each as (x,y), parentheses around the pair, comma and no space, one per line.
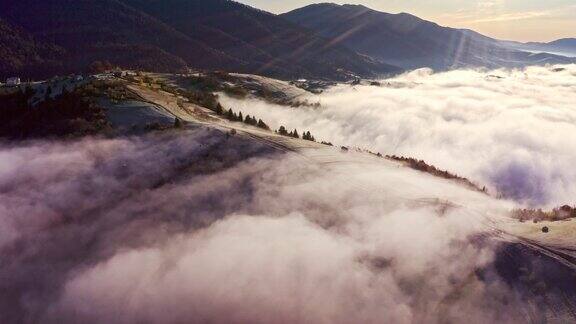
(201,226)
(511,130)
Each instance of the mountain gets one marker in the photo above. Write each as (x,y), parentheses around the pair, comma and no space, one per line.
(20,51)
(565,47)
(108,30)
(408,41)
(272,44)
(172,35)
(326,41)
(564,43)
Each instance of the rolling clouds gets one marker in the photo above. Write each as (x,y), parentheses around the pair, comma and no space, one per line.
(514,131)
(203,227)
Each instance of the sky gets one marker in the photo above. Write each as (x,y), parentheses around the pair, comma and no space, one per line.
(520,20)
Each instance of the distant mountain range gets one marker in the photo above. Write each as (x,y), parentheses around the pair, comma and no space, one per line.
(410,42)
(564,47)
(40,38)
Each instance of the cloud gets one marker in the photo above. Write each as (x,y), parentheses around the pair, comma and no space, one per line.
(244,269)
(204,227)
(275,270)
(512,130)
(486,5)
(486,12)
(511,16)
(489,11)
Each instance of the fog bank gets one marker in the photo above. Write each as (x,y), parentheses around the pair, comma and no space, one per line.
(204,227)
(512,130)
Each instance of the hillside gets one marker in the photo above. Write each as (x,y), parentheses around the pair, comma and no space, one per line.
(171,36)
(565,43)
(408,41)
(272,45)
(20,51)
(111,31)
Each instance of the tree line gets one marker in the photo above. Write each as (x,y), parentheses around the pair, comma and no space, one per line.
(251,120)
(294,134)
(538,215)
(421,165)
(233,117)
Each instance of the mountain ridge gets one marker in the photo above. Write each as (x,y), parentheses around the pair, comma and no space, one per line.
(409,41)
(172,36)
(563,46)
(322,41)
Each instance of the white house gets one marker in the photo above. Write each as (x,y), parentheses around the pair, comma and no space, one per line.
(13,81)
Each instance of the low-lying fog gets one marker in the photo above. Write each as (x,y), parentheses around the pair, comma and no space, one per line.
(203,227)
(200,227)
(512,130)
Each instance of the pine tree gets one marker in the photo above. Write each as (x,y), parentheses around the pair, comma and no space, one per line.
(219,110)
(240,117)
(295,135)
(230,115)
(282,131)
(261,124)
(307,136)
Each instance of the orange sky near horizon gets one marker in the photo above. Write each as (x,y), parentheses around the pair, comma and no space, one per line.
(519,20)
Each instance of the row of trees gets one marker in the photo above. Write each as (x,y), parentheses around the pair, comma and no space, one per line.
(209,101)
(421,165)
(70,114)
(538,215)
(306,136)
(202,98)
(232,116)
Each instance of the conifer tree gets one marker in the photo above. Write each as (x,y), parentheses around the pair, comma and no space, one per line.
(219,110)
(261,124)
(307,136)
(282,131)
